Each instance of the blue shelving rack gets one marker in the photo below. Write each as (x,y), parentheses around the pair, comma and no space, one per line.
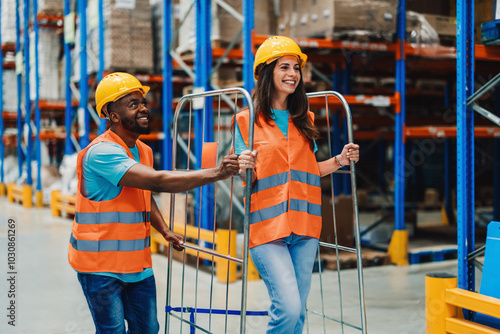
(20,123)
(465,143)
(83,112)
(38,148)
(2,148)
(201,76)
(68,43)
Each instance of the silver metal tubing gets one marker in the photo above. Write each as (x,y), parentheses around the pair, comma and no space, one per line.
(478,252)
(221,93)
(206,251)
(190,323)
(335,320)
(339,247)
(480,92)
(489,115)
(357,237)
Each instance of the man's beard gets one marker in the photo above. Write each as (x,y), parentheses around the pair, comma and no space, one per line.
(133,126)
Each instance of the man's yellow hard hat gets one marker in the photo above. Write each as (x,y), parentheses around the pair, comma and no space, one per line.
(115,86)
(274,48)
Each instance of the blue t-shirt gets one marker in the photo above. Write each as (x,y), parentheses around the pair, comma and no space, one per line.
(104,165)
(280,117)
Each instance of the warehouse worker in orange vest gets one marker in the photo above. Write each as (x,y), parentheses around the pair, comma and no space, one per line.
(285,210)
(110,239)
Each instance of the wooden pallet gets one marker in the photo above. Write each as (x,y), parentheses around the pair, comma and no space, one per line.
(348,260)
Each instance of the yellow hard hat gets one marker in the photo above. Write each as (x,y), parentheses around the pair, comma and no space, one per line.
(274,48)
(114,86)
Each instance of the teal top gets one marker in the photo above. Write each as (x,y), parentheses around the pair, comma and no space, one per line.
(280,117)
(104,165)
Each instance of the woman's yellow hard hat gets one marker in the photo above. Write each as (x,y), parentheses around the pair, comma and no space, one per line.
(114,86)
(274,48)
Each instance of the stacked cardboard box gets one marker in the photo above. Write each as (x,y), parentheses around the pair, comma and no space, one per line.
(8,21)
(49,47)
(51,7)
(9,91)
(128,40)
(426,29)
(224,25)
(156,9)
(333,18)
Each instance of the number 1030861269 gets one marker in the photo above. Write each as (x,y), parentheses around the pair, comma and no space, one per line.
(11,245)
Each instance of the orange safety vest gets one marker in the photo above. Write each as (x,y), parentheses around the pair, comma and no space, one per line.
(286,196)
(114,235)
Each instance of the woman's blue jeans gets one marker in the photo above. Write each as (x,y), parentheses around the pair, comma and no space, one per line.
(111,301)
(286,267)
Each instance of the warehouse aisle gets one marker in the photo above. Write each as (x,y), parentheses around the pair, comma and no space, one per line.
(48,298)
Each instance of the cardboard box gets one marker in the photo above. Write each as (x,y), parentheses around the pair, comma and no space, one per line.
(320,18)
(443,25)
(343,218)
(430,29)
(224,25)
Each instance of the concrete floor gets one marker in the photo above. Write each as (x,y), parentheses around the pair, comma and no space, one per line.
(49,298)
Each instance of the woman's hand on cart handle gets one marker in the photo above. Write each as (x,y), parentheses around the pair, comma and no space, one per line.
(349,153)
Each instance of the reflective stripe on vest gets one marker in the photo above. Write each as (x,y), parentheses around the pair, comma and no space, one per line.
(286,197)
(109,245)
(113,235)
(111,217)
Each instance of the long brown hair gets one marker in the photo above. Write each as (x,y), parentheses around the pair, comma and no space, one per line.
(297,102)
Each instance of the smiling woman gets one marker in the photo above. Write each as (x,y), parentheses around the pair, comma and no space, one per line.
(285,209)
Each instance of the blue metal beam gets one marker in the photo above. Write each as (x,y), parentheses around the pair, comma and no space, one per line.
(27,97)
(203,65)
(248,57)
(20,154)
(100,72)
(496,165)
(465,144)
(38,147)
(2,149)
(68,114)
(84,80)
(167,88)
(399,140)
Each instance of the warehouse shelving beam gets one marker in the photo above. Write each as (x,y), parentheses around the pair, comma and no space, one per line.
(167,88)
(83,111)
(3,189)
(248,28)
(69,35)
(203,115)
(19,69)
(27,94)
(496,166)
(398,247)
(465,145)
(38,146)
(100,71)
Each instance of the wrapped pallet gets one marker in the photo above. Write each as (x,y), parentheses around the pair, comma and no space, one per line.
(128,41)
(49,47)
(8,21)
(225,26)
(375,19)
(9,90)
(51,7)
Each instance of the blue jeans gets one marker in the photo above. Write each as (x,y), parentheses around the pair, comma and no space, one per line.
(286,267)
(111,301)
